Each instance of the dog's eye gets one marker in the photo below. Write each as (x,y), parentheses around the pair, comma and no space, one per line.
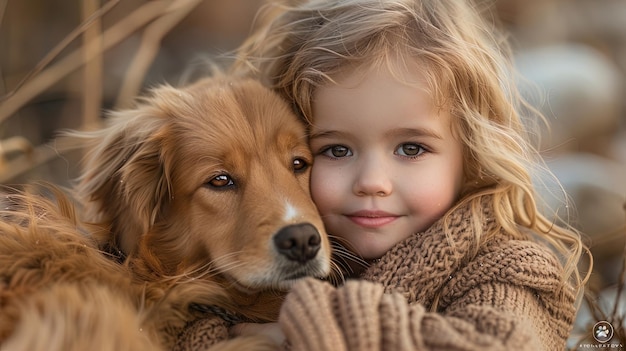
(300,165)
(221,181)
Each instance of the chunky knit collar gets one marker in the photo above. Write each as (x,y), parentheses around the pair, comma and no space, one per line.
(420,265)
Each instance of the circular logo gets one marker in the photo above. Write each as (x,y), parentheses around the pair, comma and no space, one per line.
(603,332)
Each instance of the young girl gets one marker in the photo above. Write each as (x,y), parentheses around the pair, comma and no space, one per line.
(424,169)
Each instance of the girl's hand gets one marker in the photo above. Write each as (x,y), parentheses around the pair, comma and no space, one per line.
(271,330)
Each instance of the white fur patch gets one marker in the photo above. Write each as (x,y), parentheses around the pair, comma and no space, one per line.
(291,212)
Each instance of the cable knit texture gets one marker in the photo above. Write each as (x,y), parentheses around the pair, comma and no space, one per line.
(508,296)
(202,334)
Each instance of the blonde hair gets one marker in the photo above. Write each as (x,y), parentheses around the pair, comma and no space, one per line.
(299,47)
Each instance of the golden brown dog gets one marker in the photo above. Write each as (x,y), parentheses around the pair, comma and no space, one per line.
(203,193)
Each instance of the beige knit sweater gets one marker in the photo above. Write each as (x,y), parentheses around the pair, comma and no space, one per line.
(507,297)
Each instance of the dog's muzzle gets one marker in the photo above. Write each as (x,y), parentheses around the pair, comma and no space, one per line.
(298,242)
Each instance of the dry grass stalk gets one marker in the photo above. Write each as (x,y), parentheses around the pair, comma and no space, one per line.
(45,78)
(147,52)
(93,71)
(159,15)
(54,53)
(14,145)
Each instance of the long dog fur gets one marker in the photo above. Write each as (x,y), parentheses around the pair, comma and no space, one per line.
(59,292)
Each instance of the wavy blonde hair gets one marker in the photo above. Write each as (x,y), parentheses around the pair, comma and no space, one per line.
(299,47)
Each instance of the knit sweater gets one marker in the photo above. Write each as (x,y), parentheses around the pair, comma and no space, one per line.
(507,296)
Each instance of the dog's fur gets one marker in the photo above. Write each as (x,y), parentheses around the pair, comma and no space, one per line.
(57,290)
(202,192)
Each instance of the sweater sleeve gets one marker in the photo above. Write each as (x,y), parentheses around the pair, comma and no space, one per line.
(359,316)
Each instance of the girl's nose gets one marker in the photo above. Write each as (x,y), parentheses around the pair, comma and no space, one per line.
(372,178)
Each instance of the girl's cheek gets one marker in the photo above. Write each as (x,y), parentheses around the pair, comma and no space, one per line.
(324,187)
(318,190)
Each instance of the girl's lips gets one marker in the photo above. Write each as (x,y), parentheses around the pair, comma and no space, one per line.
(372,219)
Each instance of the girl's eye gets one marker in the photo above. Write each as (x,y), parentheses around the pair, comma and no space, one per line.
(410,150)
(337,151)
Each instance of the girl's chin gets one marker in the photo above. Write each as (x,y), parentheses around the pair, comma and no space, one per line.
(368,245)
(373,253)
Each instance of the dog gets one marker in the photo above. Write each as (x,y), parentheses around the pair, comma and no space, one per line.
(201,195)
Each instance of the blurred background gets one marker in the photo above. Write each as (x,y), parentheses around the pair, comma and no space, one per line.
(63,63)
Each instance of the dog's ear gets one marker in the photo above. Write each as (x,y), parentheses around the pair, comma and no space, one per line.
(124,183)
(143,176)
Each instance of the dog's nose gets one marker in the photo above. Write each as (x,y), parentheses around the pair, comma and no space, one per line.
(298,242)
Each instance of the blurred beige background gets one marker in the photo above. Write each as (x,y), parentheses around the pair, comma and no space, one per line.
(572,52)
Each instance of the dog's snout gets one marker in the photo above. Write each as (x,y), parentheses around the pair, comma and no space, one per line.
(298,242)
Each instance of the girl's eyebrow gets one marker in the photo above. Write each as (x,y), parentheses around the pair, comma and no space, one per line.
(412,132)
(328,134)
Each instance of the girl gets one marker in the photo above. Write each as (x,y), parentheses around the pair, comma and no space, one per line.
(423,168)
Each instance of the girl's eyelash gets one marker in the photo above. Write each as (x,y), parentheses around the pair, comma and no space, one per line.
(328,151)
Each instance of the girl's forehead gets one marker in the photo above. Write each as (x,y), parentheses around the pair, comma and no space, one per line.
(382,76)
(408,71)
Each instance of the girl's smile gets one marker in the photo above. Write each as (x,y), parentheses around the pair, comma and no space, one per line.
(371,218)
